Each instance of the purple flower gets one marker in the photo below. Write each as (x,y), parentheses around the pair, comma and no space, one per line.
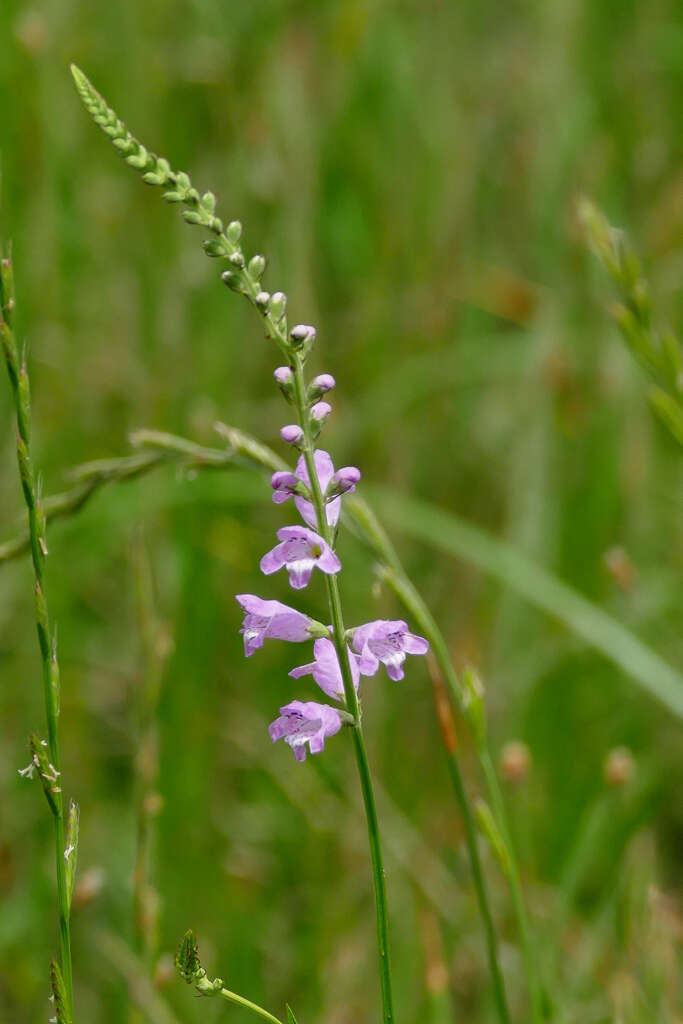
(325,471)
(283,374)
(284,486)
(320,411)
(323,382)
(271,619)
(303,722)
(300,551)
(292,433)
(326,671)
(388,642)
(345,479)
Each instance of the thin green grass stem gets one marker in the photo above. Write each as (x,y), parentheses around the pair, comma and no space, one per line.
(414,604)
(528,955)
(19,381)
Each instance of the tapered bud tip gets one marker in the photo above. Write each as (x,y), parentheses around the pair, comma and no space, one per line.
(324,382)
(515,761)
(292,433)
(283,375)
(320,411)
(619,767)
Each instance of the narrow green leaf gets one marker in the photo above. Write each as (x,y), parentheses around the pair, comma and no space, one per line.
(447,533)
(291,1019)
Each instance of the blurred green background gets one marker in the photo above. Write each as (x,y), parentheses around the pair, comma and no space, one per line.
(410,170)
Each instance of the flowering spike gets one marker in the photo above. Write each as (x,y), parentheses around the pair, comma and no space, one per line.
(59,996)
(71,851)
(187,959)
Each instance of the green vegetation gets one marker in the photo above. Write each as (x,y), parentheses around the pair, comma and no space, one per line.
(412,173)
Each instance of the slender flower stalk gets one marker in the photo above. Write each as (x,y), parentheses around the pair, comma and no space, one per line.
(46,759)
(351,697)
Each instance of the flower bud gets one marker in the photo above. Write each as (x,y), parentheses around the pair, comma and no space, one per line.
(320,411)
(284,485)
(237,260)
(302,334)
(262,300)
(233,280)
(257,265)
(292,434)
(285,379)
(278,304)
(324,382)
(344,480)
(234,231)
(214,247)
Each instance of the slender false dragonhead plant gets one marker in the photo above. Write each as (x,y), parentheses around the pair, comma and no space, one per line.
(341,656)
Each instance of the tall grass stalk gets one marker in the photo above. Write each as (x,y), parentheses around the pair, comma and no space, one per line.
(47,765)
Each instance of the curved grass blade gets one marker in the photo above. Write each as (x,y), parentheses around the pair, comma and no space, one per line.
(444,531)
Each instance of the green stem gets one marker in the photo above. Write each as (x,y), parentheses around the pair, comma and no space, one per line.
(404,589)
(351,697)
(18,376)
(498,807)
(232,997)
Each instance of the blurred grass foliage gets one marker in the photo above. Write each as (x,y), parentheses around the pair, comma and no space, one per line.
(410,170)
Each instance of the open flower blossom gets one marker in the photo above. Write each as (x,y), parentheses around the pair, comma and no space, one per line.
(303,722)
(272,620)
(300,551)
(387,641)
(326,671)
(325,470)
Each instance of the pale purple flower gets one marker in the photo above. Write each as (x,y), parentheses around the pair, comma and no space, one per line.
(323,382)
(284,486)
(388,642)
(283,374)
(325,471)
(300,551)
(345,479)
(320,411)
(292,433)
(271,620)
(326,671)
(301,334)
(303,722)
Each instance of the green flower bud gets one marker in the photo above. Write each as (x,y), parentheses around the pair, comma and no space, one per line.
(234,231)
